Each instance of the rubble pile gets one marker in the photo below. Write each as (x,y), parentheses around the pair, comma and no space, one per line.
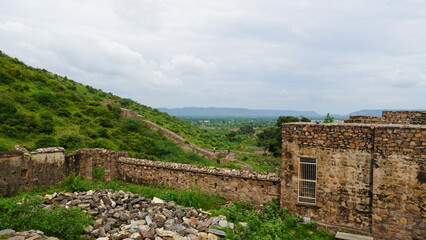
(119,215)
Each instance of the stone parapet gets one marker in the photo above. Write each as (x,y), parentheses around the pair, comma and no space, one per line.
(404,117)
(364,119)
(230,183)
(205,170)
(48,150)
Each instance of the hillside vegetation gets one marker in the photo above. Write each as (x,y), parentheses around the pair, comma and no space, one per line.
(41,109)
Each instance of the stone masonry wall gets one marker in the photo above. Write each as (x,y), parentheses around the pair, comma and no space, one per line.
(369,177)
(364,119)
(404,117)
(231,183)
(20,170)
(84,160)
(343,170)
(392,117)
(399,182)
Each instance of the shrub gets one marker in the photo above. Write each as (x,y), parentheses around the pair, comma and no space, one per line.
(98,174)
(5,147)
(6,108)
(268,223)
(132,125)
(46,125)
(45,98)
(58,221)
(46,141)
(102,143)
(74,183)
(328,118)
(71,141)
(5,78)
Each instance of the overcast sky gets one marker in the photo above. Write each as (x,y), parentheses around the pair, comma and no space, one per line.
(327,56)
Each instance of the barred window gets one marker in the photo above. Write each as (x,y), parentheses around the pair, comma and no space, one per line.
(307,180)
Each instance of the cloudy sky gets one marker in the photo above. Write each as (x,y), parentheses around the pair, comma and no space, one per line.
(328,56)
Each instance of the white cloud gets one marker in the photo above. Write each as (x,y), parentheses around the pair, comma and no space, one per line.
(346,55)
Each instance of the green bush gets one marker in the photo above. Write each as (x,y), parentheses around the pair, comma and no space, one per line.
(268,223)
(46,125)
(46,141)
(7,109)
(102,143)
(71,141)
(74,183)
(28,214)
(98,174)
(132,125)
(45,98)
(5,147)
(5,78)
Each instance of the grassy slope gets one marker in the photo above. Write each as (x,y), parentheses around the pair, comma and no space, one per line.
(41,109)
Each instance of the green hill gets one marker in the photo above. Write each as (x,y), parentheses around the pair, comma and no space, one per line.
(42,109)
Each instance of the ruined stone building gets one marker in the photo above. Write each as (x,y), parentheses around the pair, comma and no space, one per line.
(367,174)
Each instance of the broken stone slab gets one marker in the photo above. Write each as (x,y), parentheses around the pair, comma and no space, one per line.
(156,200)
(350,236)
(17,238)
(217,232)
(204,225)
(7,231)
(165,233)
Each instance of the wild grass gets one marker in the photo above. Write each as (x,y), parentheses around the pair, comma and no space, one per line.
(27,213)
(268,223)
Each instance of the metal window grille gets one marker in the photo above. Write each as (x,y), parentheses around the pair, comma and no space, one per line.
(307,180)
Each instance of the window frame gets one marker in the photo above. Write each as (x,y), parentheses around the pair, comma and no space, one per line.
(300,198)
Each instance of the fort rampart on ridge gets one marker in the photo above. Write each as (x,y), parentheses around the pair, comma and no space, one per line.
(369,178)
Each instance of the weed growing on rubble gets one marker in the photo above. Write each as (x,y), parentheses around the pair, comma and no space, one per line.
(27,213)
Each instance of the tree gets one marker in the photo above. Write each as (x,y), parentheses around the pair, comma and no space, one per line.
(286,119)
(304,119)
(328,118)
(247,129)
(270,139)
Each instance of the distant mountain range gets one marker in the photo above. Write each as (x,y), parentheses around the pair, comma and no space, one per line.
(245,112)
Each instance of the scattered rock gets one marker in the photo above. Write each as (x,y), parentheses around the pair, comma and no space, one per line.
(157,201)
(119,215)
(25,235)
(7,231)
(217,232)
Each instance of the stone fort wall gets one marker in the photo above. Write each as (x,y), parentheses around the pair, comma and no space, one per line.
(370,177)
(20,170)
(392,117)
(232,184)
(48,166)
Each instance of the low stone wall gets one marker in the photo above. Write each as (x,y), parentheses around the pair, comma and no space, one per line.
(84,160)
(364,119)
(391,117)
(231,183)
(370,177)
(404,117)
(19,171)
